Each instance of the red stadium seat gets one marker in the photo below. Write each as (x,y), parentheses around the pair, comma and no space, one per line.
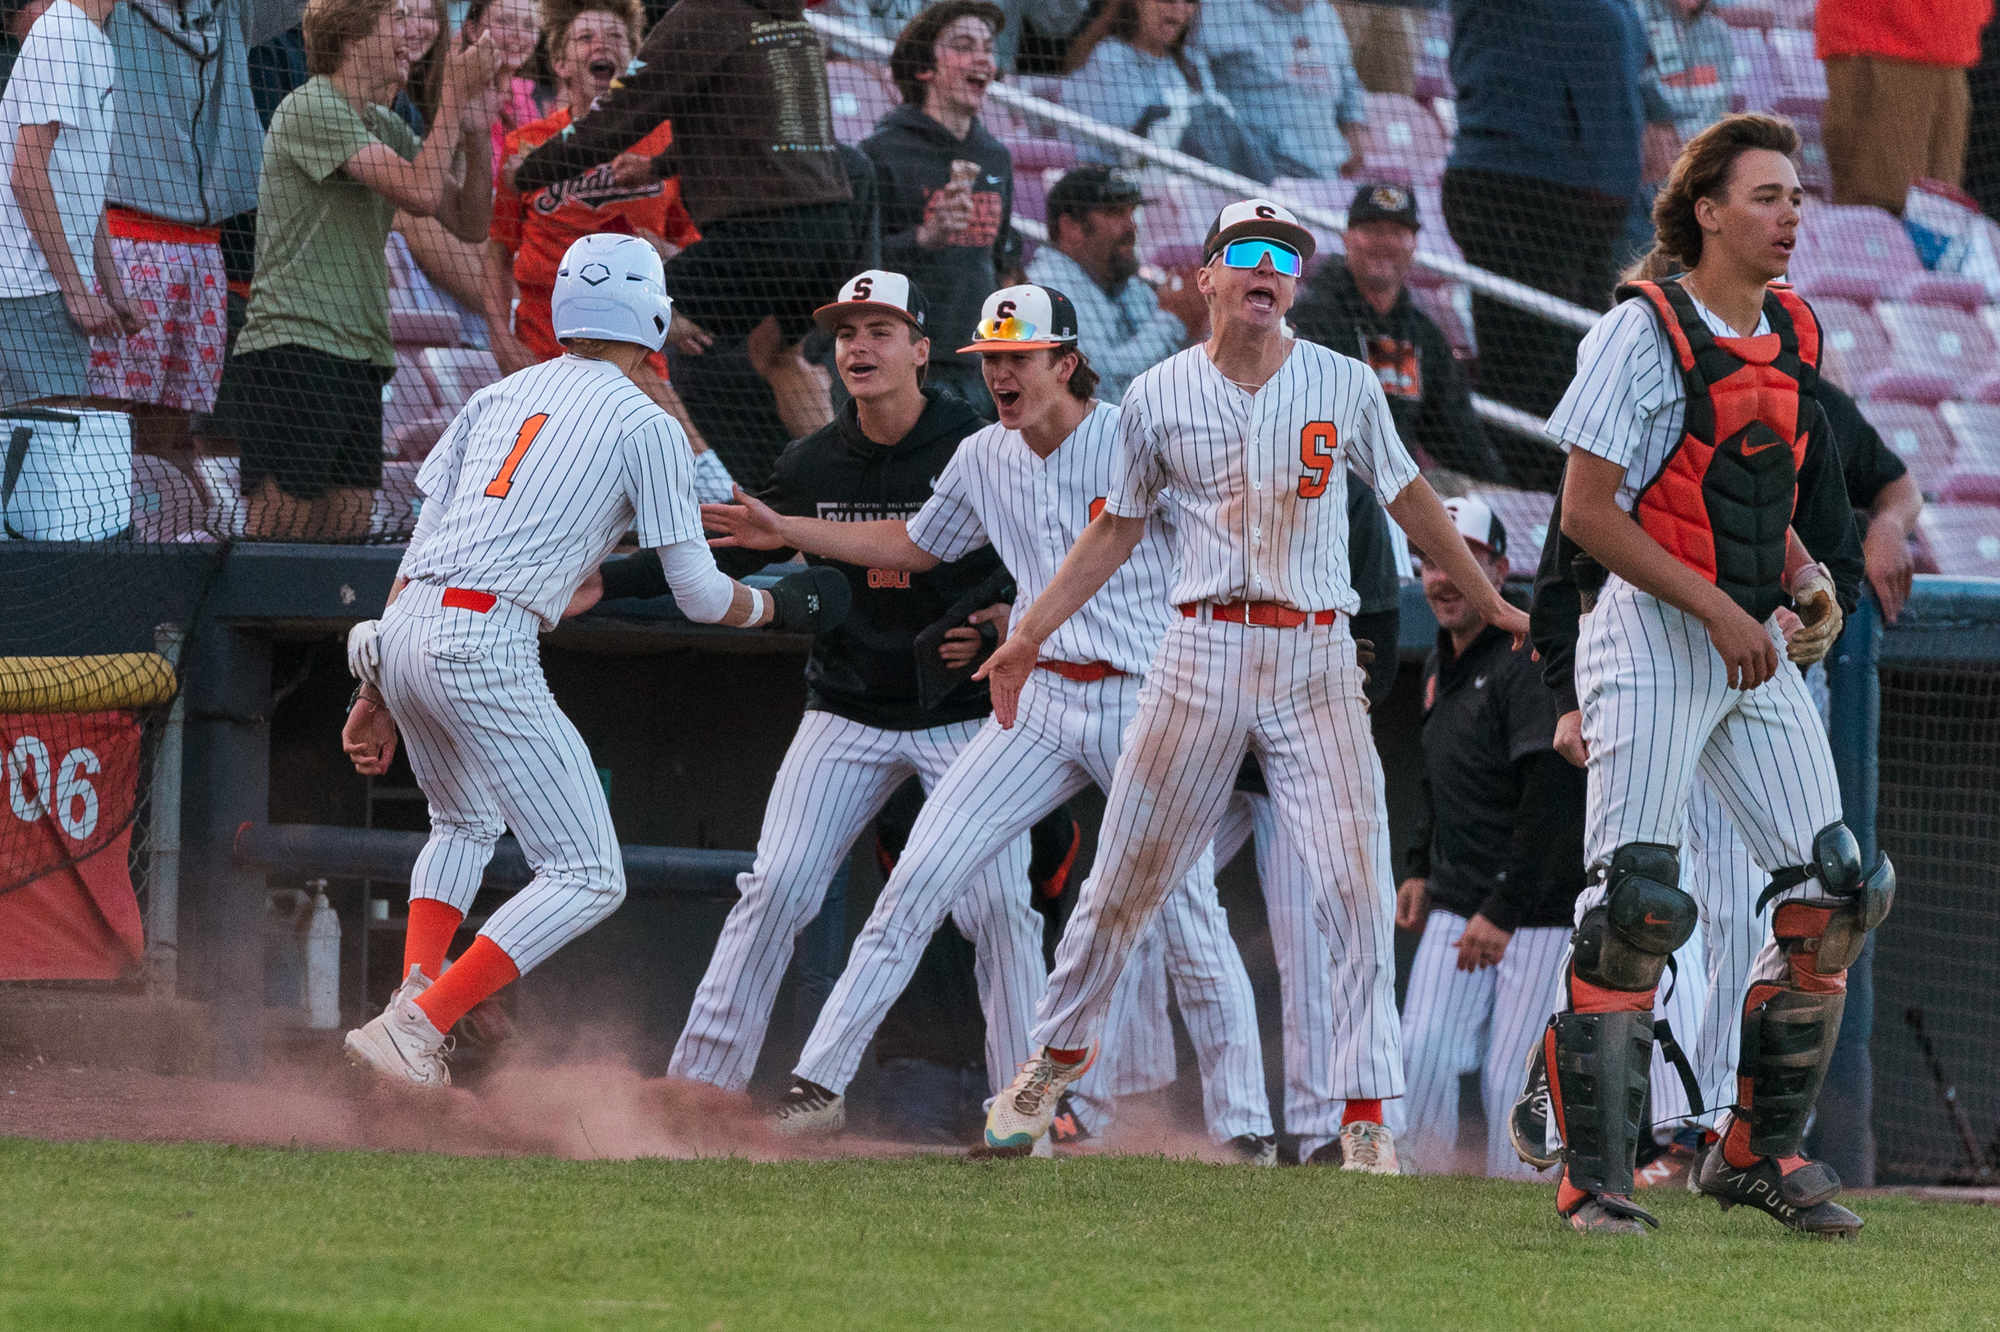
(860,97)
(1970,484)
(1941,289)
(1975,430)
(1525,514)
(1799,67)
(1961,540)
(1918,437)
(1857,346)
(456,373)
(1034,155)
(412,418)
(1755,76)
(1403,140)
(1938,340)
(1852,250)
(1748,15)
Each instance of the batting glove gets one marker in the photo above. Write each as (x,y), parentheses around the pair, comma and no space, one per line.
(364,652)
(1818,611)
(811,602)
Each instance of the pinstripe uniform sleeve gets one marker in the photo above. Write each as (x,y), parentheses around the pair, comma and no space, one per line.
(1622,370)
(948,526)
(1140,476)
(437,478)
(1378,455)
(659,478)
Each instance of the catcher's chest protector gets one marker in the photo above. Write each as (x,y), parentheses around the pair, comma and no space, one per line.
(1721,502)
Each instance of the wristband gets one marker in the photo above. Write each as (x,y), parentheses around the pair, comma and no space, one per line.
(762,609)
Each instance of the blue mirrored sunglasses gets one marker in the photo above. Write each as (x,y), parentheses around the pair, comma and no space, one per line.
(1250,253)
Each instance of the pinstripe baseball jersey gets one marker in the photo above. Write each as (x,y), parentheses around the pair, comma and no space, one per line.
(540,475)
(1625,373)
(1032,510)
(1252,472)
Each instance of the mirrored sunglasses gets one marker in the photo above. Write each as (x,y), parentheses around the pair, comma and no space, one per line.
(1011,329)
(1250,253)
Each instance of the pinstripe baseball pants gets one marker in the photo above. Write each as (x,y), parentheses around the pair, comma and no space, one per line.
(1458,1022)
(1066,737)
(835,777)
(493,753)
(1294,697)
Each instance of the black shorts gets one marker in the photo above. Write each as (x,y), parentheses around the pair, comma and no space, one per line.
(787,263)
(309,421)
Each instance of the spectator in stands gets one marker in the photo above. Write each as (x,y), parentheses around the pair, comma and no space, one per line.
(1690,73)
(1055,19)
(1896,93)
(1092,257)
(454,267)
(184,159)
(427,29)
(1982,151)
(311,361)
(1287,68)
(744,84)
(1358,305)
(1384,37)
(590,42)
(947,185)
(1543,172)
(15,20)
(59,111)
(1133,70)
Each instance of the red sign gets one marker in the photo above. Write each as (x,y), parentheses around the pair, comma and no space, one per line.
(67,909)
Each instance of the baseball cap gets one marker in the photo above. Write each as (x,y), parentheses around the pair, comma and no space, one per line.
(1257,219)
(1477,523)
(1092,187)
(1025,318)
(1384,201)
(876,289)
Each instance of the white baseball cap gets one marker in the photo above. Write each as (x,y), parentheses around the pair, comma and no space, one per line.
(1024,318)
(1258,219)
(876,289)
(1477,523)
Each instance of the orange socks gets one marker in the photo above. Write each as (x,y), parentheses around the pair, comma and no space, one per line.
(483,970)
(1067,1056)
(432,925)
(1361,1112)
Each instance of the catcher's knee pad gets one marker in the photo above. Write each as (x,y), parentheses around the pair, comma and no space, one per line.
(1624,943)
(1788,1038)
(1823,934)
(1599,1066)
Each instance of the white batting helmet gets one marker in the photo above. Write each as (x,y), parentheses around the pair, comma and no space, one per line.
(612,287)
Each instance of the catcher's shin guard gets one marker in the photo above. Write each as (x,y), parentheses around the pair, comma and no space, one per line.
(1600,1051)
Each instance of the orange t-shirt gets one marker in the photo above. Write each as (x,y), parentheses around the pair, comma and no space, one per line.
(540,228)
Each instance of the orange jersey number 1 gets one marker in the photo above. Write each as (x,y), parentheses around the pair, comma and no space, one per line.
(503,480)
(1317,443)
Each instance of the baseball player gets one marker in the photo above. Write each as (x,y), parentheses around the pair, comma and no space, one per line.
(1309,976)
(1493,882)
(535,482)
(1250,431)
(1690,449)
(865,731)
(1028,485)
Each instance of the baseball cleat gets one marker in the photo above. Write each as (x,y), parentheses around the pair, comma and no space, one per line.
(1368,1147)
(1023,1109)
(1326,1154)
(486,1029)
(1528,1122)
(1066,1127)
(400,1044)
(1609,1214)
(1257,1149)
(809,1111)
(1799,1198)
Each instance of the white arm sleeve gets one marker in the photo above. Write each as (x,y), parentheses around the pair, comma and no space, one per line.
(702,591)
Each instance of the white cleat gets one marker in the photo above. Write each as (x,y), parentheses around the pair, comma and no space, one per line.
(1021,1112)
(400,1044)
(1367,1147)
(809,1111)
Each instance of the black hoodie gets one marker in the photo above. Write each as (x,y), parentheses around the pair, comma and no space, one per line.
(913,156)
(865,670)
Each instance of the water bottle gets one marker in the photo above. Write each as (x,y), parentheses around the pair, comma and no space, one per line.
(322,962)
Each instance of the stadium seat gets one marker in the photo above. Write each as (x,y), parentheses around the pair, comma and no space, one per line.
(1970,483)
(1179,214)
(1755,76)
(1792,14)
(1433,56)
(1918,437)
(1035,154)
(1403,140)
(1748,14)
(412,418)
(1938,340)
(1031,196)
(1450,308)
(1948,289)
(1799,69)
(1960,540)
(860,97)
(1975,431)
(1852,250)
(1857,346)
(418,318)
(456,373)
(1815,173)
(166,503)
(1525,514)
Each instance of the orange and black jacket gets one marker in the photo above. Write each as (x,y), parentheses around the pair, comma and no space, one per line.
(1756,456)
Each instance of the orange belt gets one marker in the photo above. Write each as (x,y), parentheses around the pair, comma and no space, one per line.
(459,599)
(1268,614)
(129,224)
(1085,674)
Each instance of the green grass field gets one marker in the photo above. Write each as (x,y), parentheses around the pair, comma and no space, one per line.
(113,1236)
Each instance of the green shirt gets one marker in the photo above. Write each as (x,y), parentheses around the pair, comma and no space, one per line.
(321,279)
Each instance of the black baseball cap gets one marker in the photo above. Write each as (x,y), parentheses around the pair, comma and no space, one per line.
(1384,201)
(1093,187)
